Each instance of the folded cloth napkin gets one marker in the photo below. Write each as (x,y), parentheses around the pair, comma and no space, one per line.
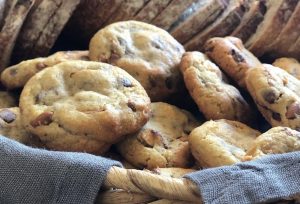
(29,175)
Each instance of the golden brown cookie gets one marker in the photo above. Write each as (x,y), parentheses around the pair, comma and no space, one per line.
(172,172)
(83,106)
(291,65)
(11,127)
(232,57)
(221,142)
(148,53)
(277,140)
(16,76)
(7,100)
(208,86)
(276,94)
(162,142)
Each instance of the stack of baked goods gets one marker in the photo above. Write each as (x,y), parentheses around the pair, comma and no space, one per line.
(115,99)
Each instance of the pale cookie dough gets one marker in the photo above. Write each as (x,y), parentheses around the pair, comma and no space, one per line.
(291,65)
(277,140)
(162,142)
(83,106)
(11,127)
(276,94)
(221,142)
(208,86)
(16,76)
(148,53)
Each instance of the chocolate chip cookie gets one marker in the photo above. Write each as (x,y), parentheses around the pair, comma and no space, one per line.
(148,53)
(16,76)
(291,65)
(83,106)
(276,94)
(232,57)
(11,127)
(7,100)
(277,140)
(221,142)
(162,142)
(210,90)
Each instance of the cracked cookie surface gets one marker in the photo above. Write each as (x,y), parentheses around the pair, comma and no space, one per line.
(148,53)
(17,75)
(276,94)
(221,142)
(162,142)
(208,87)
(83,106)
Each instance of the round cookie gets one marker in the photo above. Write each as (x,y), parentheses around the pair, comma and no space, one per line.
(148,53)
(276,94)
(7,100)
(210,90)
(277,140)
(162,142)
(11,127)
(83,106)
(291,65)
(221,142)
(16,76)
(232,57)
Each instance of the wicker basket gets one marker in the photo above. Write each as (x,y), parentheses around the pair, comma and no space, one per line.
(137,186)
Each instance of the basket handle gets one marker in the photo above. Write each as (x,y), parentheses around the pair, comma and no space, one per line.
(155,185)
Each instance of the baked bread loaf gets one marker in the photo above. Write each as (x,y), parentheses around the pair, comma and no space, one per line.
(42,27)
(221,142)
(209,88)
(162,142)
(83,106)
(148,53)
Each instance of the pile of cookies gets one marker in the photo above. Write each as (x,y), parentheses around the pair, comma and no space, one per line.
(112,100)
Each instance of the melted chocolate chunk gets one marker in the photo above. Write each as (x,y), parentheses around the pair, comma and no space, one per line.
(131,105)
(292,111)
(269,95)
(126,82)
(236,56)
(43,119)
(276,116)
(7,115)
(13,71)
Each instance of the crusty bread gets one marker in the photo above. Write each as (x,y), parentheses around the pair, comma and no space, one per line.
(277,15)
(42,27)
(223,26)
(288,36)
(126,11)
(170,14)
(250,21)
(202,17)
(11,29)
(151,10)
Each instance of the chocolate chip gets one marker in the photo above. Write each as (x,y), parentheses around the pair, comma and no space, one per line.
(131,105)
(126,82)
(269,95)
(150,137)
(43,119)
(169,83)
(158,44)
(13,71)
(292,111)
(237,57)
(124,44)
(7,115)
(276,116)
